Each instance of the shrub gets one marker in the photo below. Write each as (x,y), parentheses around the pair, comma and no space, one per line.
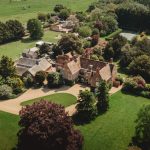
(5,91)
(116,84)
(86,108)
(129,85)
(85,31)
(64,14)
(46,126)
(69,82)
(54,80)
(40,77)
(42,17)
(120,79)
(28,81)
(16,84)
(145,94)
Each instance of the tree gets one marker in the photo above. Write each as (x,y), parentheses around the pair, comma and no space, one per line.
(44,126)
(40,77)
(5,91)
(81,16)
(58,8)
(42,17)
(15,83)
(129,16)
(86,107)
(35,28)
(7,68)
(44,49)
(85,31)
(94,57)
(141,66)
(95,32)
(16,29)
(113,48)
(69,42)
(64,14)
(54,80)
(102,97)
(142,130)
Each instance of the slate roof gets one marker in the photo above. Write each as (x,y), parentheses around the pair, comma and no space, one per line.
(43,65)
(26,62)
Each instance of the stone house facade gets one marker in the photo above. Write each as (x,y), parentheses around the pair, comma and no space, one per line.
(72,67)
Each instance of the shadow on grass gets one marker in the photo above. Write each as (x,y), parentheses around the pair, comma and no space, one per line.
(28,40)
(78,120)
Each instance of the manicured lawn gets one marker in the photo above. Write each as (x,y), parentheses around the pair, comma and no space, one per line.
(64,99)
(8,130)
(110,131)
(14,49)
(113,130)
(26,9)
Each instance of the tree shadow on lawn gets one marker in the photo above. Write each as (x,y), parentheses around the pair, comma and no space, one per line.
(77,120)
(28,40)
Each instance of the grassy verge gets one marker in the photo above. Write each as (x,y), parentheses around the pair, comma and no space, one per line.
(64,99)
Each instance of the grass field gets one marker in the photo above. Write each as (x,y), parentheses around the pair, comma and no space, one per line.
(111,131)
(64,99)
(26,9)
(8,130)
(14,49)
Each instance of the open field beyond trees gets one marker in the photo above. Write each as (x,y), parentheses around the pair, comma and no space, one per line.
(112,130)
(14,49)
(25,9)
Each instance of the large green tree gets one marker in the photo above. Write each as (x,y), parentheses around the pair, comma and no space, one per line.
(35,29)
(86,107)
(142,130)
(68,42)
(7,68)
(141,66)
(102,96)
(54,79)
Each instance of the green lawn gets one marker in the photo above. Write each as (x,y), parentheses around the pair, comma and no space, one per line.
(26,9)
(64,99)
(14,49)
(8,130)
(111,131)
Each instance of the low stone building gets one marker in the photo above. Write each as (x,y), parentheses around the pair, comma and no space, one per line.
(25,66)
(72,67)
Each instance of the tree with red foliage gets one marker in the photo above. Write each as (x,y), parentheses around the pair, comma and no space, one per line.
(46,126)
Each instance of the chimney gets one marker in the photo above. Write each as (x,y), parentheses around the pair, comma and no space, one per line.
(90,68)
(111,60)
